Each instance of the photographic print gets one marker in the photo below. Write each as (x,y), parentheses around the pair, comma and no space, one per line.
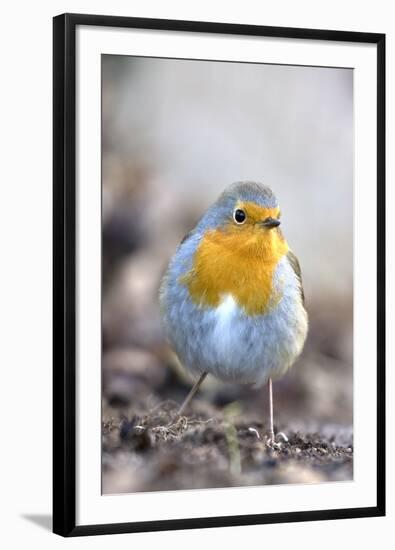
(219,274)
(227,281)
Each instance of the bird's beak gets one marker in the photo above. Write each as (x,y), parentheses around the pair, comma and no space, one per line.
(270,223)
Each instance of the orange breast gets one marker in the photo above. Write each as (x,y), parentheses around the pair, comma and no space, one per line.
(240,264)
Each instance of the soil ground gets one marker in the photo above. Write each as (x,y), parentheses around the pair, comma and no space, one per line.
(156,450)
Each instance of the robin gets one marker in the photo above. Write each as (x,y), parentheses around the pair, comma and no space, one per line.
(232,299)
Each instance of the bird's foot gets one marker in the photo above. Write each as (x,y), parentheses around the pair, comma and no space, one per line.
(273,442)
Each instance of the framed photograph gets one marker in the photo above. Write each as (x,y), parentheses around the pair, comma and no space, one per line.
(219,274)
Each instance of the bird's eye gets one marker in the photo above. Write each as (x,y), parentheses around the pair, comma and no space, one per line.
(239,216)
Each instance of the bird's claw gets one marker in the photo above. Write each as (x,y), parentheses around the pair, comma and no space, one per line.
(271,440)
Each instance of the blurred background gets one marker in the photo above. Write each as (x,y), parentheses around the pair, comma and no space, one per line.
(175,133)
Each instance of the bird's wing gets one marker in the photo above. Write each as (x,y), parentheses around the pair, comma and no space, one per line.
(294,262)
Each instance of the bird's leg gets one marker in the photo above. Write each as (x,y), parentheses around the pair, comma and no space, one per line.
(271,428)
(191,394)
(271,439)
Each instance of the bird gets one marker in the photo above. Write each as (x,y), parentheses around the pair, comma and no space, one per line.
(231,299)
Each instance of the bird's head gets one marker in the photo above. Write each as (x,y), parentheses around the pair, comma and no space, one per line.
(246,217)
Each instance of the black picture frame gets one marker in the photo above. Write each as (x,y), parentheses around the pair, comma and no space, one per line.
(64,272)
